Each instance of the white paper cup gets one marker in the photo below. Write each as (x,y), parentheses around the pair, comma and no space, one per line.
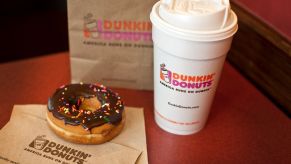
(187,67)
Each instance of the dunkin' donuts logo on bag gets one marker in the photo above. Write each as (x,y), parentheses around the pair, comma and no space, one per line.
(58,153)
(39,143)
(185,83)
(117,30)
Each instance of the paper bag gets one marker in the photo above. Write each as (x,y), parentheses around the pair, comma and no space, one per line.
(110,42)
(27,139)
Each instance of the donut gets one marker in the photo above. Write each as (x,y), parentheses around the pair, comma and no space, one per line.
(85,113)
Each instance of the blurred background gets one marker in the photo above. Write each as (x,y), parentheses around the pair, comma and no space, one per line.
(32,28)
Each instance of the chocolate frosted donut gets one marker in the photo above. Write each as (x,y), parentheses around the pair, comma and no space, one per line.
(85,113)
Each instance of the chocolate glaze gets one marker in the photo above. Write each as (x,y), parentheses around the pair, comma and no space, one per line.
(66,101)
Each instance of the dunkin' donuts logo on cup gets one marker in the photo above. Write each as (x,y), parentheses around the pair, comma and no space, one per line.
(165,74)
(50,150)
(117,30)
(185,83)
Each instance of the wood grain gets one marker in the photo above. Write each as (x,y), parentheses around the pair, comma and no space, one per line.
(264,57)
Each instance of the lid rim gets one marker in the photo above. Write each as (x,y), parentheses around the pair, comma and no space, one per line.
(209,35)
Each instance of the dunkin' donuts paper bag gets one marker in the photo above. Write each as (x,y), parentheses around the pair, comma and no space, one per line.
(110,42)
(27,139)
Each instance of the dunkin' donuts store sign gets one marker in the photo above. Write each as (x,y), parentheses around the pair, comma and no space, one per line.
(185,83)
(58,153)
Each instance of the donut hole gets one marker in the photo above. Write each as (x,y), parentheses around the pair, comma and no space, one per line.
(92,104)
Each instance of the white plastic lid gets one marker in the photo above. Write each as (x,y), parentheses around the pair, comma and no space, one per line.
(198,15)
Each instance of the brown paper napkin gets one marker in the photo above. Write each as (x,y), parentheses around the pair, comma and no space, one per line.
(27,139)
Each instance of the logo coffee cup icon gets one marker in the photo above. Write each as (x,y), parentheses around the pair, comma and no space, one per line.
(39,143)
(165,74)
(90,26)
